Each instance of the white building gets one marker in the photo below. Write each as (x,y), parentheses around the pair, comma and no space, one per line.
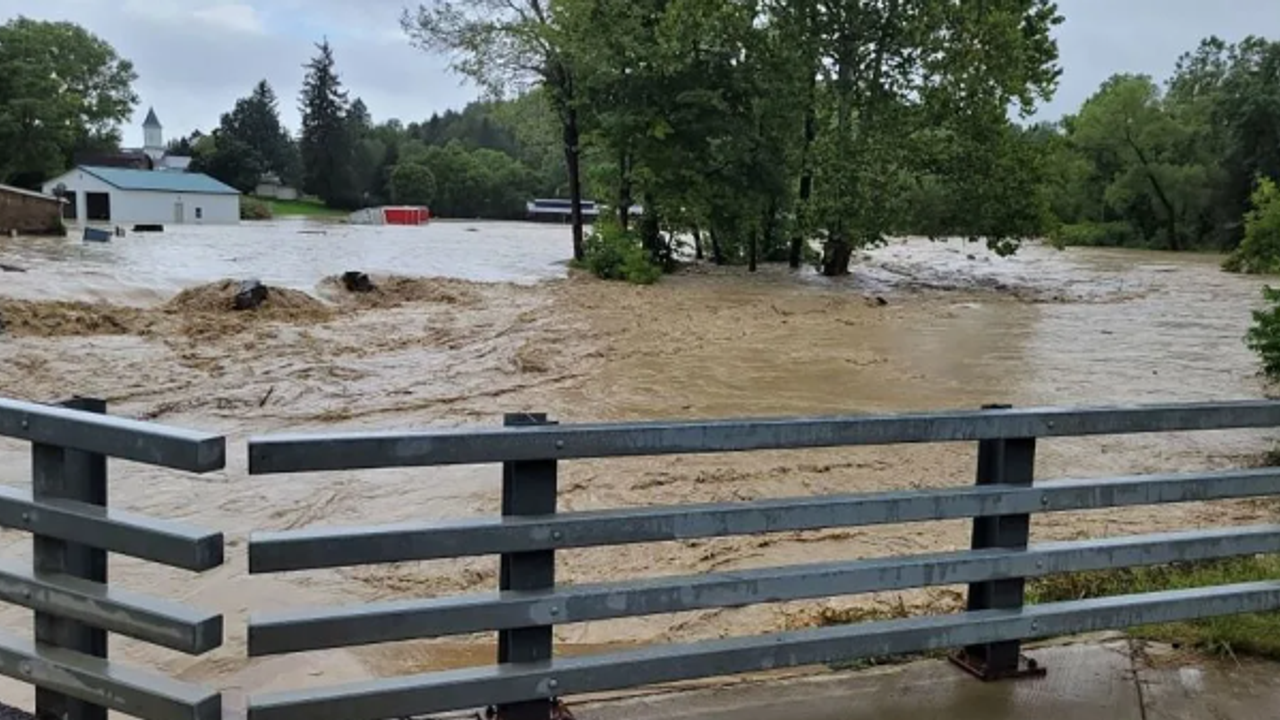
(125,196)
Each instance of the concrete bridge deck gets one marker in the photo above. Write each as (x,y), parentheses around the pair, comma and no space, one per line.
(1109,678)
(1117,679)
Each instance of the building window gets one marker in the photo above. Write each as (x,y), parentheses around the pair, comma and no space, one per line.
(199,213)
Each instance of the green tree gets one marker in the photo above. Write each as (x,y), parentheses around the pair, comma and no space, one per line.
(255,122)
(326,143)
(413,184)
(228,159)
(1259,252)
(1153,183)
(249,142)
(369,155)
(1231,94)
(61,88)
(503,45)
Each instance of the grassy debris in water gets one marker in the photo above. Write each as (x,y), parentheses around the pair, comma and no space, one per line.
(1256,634)
(394,290)
(219,298)
(59,318)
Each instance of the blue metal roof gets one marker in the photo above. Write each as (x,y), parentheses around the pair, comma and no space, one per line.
(160,180)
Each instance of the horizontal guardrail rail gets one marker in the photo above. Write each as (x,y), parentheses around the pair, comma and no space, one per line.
(72,531)
(437,692)
(307,548)
(112,436)
(368,450)
(302,630)
(528,604)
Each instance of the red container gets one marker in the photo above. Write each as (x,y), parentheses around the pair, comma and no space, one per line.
(405,215)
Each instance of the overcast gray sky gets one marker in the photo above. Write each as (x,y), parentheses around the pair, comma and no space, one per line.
(195,57)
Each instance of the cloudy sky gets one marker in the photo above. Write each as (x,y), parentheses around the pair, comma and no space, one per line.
(195,57)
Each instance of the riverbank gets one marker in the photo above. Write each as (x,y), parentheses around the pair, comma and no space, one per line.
(918,327)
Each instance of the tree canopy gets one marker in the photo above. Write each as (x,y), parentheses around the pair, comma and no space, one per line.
(327,143)
(1171,165)
(249,142)
(62,89)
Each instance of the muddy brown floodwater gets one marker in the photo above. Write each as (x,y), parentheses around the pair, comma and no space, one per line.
(483,319)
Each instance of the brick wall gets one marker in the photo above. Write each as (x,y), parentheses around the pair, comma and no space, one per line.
(29,215)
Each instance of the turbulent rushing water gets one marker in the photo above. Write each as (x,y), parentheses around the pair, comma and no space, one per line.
(953,328)
(144,267)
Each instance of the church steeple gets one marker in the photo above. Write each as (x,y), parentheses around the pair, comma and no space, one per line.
(152,133)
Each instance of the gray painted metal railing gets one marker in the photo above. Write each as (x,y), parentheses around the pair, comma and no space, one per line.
(529,603)
(72,531)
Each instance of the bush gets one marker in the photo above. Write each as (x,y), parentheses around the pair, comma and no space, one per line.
(1111,234)
(412,184)
(1264,337)
(252,208)
(1259,252)
(616,254)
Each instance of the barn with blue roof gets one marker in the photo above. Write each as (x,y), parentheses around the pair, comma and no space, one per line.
(125,196)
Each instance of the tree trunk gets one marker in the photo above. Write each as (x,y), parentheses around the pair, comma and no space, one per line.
(1172,223)
(572,157)
(796,254)
(651,232)
(754,250)
(836,255)
(624,189)
(837,251)
(697,243)
(717,254)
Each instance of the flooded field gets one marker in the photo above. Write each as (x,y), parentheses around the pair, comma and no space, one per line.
(146,268)
(488,321)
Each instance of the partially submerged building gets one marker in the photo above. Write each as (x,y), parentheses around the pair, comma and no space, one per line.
(27,212)
(125,196)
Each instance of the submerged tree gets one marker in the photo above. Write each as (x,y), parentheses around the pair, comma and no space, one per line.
(505,45)
(901,72)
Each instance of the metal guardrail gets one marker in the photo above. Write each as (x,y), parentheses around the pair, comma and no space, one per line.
(72,531)
(529,604)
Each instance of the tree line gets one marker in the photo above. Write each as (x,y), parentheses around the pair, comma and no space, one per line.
(1173,165)
(772,130)
(764,129)
(770,127)
(483,162)
(65,92)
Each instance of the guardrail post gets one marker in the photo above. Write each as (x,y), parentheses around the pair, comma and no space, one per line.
(58,473)
(528,488)
(1006,461)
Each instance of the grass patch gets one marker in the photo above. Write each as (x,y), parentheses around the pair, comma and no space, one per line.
(302,208)
(1256,634)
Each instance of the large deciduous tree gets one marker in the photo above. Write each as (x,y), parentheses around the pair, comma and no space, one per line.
(1157,177)
(61,89)
(505,45)
(899,71)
